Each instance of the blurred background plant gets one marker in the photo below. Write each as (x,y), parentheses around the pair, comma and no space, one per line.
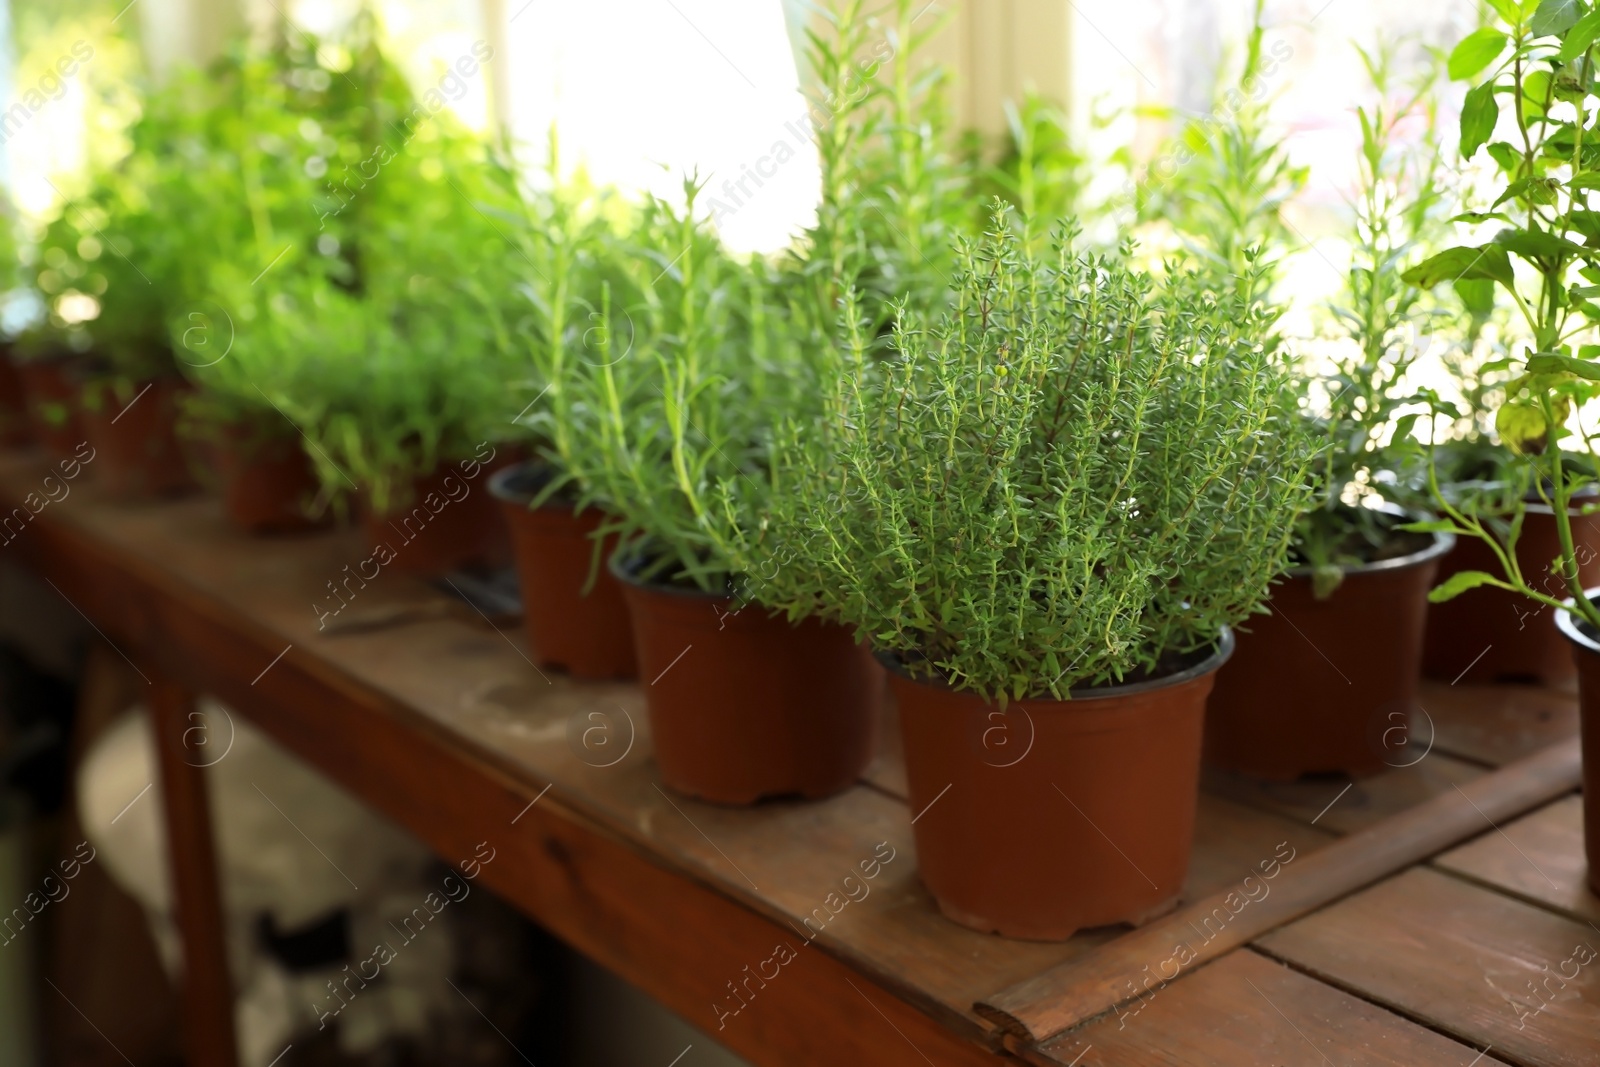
(1382,325)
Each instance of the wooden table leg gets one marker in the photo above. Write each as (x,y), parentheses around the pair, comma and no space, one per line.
(206,985)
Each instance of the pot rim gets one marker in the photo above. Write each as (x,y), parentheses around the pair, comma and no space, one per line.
(1442,543)
(619,568)
(1220,654)
(1571,625)
(499,487)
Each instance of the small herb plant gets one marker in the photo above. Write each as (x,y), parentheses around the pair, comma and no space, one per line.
(1222,184)
(1533,65)
(1075,477)
(1378,320)
(588,263)
(359,289)
(673,437)
(895,190)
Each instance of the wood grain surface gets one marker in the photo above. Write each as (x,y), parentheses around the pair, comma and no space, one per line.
(1459,958)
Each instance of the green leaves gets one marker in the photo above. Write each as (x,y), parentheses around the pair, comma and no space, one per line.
(1454,264)
(1535,245)
(1474,52)
(1580,37)
(1555,363)
(1522,428)
(1479,113)
(1554,17)
(1459,583)
(1065,524)
(1477,294)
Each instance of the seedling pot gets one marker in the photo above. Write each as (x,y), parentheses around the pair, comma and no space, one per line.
(1052,816)
(1328,685)
(449,522)
(1586,654)
(744,705)
(1490,635)
(268,484)
(584,632)
(50,390)
(133,434)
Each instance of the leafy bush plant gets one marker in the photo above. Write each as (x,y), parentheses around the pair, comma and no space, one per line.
(1076,477)
(1534,69)
(361,290)
(669,423)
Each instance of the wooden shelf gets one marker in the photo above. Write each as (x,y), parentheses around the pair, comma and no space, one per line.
(443,725)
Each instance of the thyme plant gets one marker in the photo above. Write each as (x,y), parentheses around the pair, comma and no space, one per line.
(1533,65)
(1074,477)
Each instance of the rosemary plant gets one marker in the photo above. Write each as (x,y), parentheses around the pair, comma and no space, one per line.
(1378,318)
(1223,182)
(894,188)
(674,435)
(1539,60)
(1074,478)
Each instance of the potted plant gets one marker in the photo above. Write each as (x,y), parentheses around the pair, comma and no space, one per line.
(400,402)
(1487,634)
(355,310)
(1543,62)
(743,704)
(578,341)
(1045,512)
(129,387)
(1319,684)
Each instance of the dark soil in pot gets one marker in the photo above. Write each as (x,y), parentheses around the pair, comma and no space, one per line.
(50,388)
(573,624)
(1490,635)
(1327,685)
(1586,653)
(268,483)
(1054,816)
(14,424)
(448,520)
(133,431)
(744,705)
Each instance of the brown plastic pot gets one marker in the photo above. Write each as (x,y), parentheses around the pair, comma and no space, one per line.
(1327,686)
(573,625)
(1056,815)
(268,484)
(134,436)
(744,705)
(1586,654)
(14,429)
(1490,635)
(51,389)
(449,522)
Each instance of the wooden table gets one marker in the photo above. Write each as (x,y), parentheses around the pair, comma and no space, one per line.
(1397,935)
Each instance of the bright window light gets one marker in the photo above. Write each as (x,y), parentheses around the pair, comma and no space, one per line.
(645,92)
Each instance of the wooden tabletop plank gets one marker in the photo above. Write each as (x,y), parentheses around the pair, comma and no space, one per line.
(1196,934)
(448,701)
(1539,857)
(1483,967)
(1248,1011)
(786,861)
(1337,803)
(1494,724)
